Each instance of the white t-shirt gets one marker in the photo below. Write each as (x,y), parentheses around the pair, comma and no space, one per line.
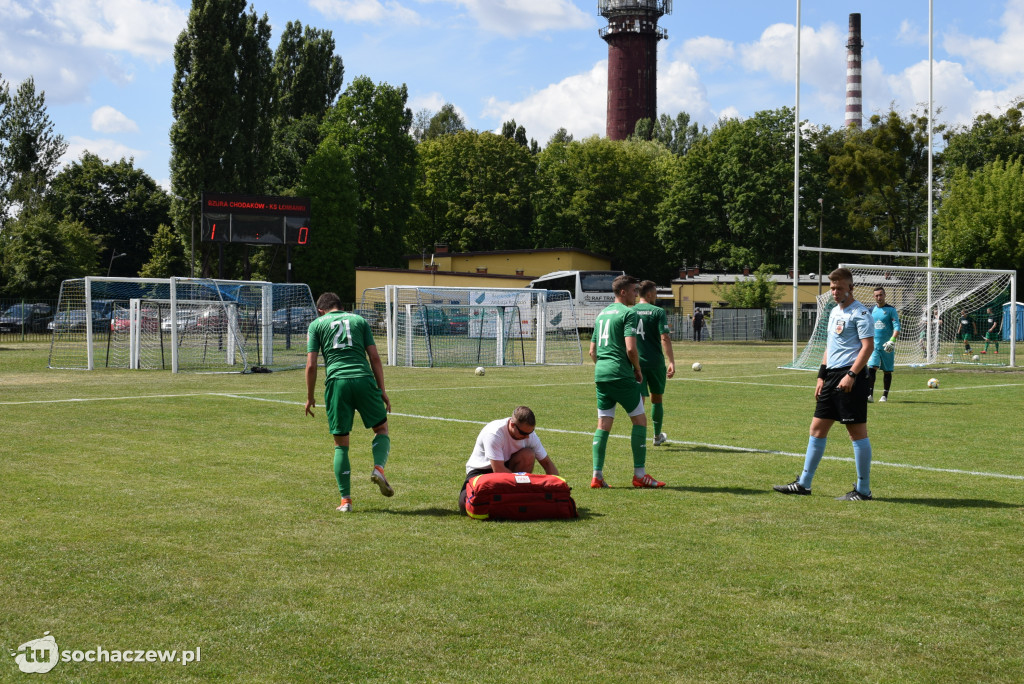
(494,443)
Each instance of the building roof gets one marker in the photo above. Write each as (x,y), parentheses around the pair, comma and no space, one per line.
(540,250)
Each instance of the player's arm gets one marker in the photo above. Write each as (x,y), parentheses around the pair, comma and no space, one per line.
(867,346)
(821,375)
(890,344)
(311,360)
(593,352)
(499,466)
(378,373)
(666,346)
(634,357)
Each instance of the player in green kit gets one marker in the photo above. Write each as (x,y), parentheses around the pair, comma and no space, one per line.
(617,375)
(654,344)
(352,384)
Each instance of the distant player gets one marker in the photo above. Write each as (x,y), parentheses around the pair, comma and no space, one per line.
(351,384)
(842,389)
(654,344)
(993,324)
(617,376)
(965,330)
(887,329)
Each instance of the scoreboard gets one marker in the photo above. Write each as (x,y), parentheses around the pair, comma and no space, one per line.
(255,219)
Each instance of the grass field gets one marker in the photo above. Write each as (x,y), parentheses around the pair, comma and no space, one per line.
(141,510)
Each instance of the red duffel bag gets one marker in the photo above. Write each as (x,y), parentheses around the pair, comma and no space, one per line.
(518,496)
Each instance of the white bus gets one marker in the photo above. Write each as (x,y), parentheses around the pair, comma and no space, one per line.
(591,291)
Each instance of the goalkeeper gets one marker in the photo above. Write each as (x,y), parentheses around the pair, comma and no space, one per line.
(351,384)
(887,329)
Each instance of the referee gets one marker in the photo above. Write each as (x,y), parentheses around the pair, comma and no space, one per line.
(842,388)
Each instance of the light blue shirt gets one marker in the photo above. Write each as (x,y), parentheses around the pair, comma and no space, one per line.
(846,328)
(887,321)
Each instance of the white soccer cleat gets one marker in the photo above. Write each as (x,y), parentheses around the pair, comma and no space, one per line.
(660,439)
(377,478)
(882,400)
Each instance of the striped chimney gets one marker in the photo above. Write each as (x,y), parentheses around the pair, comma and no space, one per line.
(854,101)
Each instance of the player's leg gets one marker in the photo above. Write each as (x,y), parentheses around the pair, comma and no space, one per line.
(826,413)
(522,461)
(629,395)
(605,418)
(366,396)
(339,422)
(656,379)
(888,365)
(872,374)
(862,458)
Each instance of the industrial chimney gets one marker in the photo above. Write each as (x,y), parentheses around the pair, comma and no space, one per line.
(632,35)
(854,98)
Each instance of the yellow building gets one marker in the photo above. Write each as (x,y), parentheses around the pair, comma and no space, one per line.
(696,290)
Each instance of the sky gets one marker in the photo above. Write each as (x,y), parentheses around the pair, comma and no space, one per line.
(106,66)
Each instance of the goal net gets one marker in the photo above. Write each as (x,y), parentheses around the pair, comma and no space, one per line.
(181,324)
(453,326)
(937,307)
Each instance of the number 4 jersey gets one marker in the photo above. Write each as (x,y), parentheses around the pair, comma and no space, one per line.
(341,338)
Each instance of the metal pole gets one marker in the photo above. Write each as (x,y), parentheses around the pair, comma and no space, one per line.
(796,188)
(821,225)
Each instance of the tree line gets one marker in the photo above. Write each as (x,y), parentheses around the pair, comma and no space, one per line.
(386,182)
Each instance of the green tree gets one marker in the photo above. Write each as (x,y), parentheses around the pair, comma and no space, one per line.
(445,122)
(167,256)
(30,151)
(692,215)
(677,134)
(39,251)
(987,139)
(119,204)
(510,130)
(223,112)
(474,193)
(753,292)
(980,223)
(371,123)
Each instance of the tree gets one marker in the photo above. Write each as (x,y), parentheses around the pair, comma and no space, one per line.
(980,223)
(119,204)
(167,256)
(757,292)
(474,193)
(510,130)
(987,139)
(29,149)
(223,110)
(445,122)
(677,134)
(371,123)
(560,136)
(38,252)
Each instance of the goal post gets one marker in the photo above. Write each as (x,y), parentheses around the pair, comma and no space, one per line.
(931,302)
(184,324)
(456,326)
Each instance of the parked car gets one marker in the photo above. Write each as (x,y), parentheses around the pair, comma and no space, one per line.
(295,319)
(76,320)
(26,317)
(374,318)
(120,321)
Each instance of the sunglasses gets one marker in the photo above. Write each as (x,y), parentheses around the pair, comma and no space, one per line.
(520,431)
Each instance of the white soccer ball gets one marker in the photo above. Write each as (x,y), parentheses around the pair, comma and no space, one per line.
(480,370)
(696,366)
(933,383)
(975,358)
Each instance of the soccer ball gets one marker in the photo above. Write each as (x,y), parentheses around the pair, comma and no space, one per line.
(933,383)
(479,370)
(696,366)
(975,358)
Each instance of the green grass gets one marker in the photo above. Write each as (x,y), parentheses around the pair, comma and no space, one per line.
(163,515)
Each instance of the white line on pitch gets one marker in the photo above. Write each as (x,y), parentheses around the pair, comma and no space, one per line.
(143,396)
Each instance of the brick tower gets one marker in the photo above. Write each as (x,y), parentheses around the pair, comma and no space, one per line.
(632,35)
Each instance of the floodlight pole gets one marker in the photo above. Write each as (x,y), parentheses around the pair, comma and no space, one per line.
(821,225)
(796,190)
(114,255)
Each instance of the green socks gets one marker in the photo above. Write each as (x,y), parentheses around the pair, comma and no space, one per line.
(381,448)
(600,444)
(657,417)
(638,441)
(342,471)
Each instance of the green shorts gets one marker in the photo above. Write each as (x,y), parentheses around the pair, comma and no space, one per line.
(344,396)
(625,392)
(655,378)
(992,336)
(965,337)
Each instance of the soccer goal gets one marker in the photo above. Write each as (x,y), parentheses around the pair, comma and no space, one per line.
(455,326)
(932,304)
(181,324)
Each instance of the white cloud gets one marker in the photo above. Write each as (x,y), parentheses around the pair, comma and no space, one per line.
(729,113)
(1003,56)
(518,17)
(714,52)
(822,55)
(957,98)
(911,34)
(680,90)
(106,119)
(142,28)
(432,101)
(577,103)
(372,11)
(108,150)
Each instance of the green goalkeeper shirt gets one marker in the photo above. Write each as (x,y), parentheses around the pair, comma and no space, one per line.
(611,328)
(651,324)
(341,337)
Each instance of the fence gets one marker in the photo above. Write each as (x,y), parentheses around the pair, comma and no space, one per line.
(26,320)
(744,325)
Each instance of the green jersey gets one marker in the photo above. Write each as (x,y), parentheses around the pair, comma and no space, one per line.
(341,337)
(651,324)
(611,328)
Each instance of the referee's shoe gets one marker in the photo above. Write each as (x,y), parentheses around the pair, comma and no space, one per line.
(793,487)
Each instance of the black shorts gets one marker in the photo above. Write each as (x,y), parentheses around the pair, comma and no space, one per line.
(848,408)
(469,476)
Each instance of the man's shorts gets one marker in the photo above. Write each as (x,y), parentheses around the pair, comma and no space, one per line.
(882,359)
(655,378)
(344,396)
(992,336)
(625,392)
(835,404)
(964,336)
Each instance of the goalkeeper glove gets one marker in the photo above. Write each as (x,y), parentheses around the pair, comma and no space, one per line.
(889,346)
